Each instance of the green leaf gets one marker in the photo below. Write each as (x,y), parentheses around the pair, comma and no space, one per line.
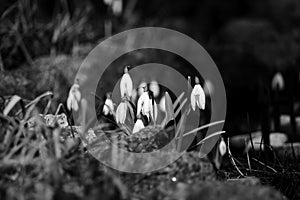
(176,103)
(203,127)
(12,103)
(169,109)
(180,107)
(180,129)
(210,136)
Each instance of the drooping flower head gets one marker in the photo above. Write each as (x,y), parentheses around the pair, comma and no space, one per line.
(146,105)
(222,147)
(197,96)
(154,87)
(278,82)
(108,107)
(74,97)
(121,112)
(117,7)
(126,85)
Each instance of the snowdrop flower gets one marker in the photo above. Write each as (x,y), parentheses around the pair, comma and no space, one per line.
(108,107)
(147,106)
(121,112)
(197,96)
(117,7)
(138,126)
(154,87)
(278,81)
(74,97)
(126,85)
(222,147)
(144,104)
(108,2)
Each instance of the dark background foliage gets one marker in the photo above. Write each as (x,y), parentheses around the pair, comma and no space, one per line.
(250,40)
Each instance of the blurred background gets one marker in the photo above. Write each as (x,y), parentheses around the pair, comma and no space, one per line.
(255,44)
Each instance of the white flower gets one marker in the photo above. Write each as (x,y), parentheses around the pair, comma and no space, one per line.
(147,106)
(126,85)
(121,113)
(144,104)
(108,2)
(138,126)
(74,97)
(154,87)
(117,7)
(222,147)
(154,111)
(278,81)
(108,107)
(198,96)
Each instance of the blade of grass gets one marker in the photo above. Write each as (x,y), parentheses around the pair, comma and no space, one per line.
(177,101)
(232,160)
(12,103)
(210,136)
(36,100)
(180,107)
(203,127)
(180,130)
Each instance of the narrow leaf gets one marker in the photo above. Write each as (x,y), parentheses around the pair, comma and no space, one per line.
(210,136)
(203,127)
(169,108)
(177,101)
(12,103)
(180,107)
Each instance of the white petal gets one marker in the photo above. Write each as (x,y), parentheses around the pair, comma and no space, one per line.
(147,105)
(105,110)
(75,105)
(153,115)
(142,101)
(193,101)
(278,81)
(154,87)
(75,90)
(162,104)
(222,147)
(124,113)
(110,105)
(126,85)
(121,113)
(118,113)
(77,95)
(117,7)
(108,2)
(138,126)
(69,101)
(198,96)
